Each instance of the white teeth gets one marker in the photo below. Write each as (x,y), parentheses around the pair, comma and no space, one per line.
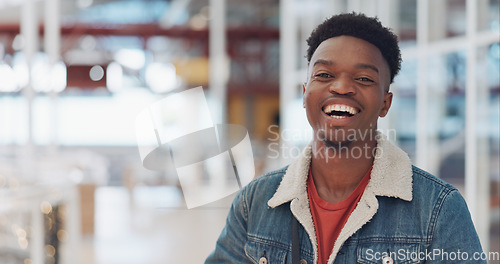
(340,108)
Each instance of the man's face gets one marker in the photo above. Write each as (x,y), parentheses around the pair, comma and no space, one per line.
(346,90)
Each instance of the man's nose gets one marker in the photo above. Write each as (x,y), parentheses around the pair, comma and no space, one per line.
(343,85)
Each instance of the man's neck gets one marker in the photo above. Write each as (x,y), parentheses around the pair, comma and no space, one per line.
(337,169)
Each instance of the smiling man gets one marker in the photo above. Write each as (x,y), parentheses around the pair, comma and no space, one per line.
(352,196)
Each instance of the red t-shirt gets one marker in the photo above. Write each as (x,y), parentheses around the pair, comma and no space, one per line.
(330,218)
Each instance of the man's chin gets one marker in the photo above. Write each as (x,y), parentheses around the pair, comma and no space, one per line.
(335,139)
(337,143)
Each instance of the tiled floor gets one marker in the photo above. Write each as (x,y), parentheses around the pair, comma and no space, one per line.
(152,226)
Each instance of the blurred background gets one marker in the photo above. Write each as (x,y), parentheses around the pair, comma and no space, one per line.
(74,75)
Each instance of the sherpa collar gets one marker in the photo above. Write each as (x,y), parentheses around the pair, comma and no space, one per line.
(391,176)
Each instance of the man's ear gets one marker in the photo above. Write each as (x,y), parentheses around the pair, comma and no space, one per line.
(303,92)
(386,104)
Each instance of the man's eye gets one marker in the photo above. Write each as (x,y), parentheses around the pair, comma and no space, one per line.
(365,80)
(322,76)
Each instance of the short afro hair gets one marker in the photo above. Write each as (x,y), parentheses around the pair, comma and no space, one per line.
(360,26)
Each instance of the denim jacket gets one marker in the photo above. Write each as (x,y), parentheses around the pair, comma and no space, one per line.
(404,213)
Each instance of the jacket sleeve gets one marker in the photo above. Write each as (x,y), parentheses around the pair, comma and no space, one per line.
(231,242)
(454,238)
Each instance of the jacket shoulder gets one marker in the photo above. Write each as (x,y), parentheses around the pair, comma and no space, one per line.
(431,190)
(270,178)
(265,184)
(424,179)
(275,175)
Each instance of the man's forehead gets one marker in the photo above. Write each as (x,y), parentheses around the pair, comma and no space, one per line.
(343,45)
(345,38)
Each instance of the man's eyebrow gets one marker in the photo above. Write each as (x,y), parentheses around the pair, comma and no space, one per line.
(359,65)
(367,66)
(323,62)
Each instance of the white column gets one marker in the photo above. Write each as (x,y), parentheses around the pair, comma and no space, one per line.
(218,61)
(437,17)
(73,226)
(387,11)
(29,32)
(471,109)
(483,158)
(38,235)
(288,59)
(52,39)
(219,74)
(422,84)
(307,21)
(482,218)
(52,29)
(476,178)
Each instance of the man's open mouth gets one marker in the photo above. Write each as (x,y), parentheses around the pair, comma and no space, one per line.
(340,111)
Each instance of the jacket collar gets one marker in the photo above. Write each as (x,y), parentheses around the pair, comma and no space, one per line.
(391,174)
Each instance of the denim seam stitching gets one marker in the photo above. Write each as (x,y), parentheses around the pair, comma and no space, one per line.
(265,241)
(403,240)
(244,204)
(249,256)
(435,212)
